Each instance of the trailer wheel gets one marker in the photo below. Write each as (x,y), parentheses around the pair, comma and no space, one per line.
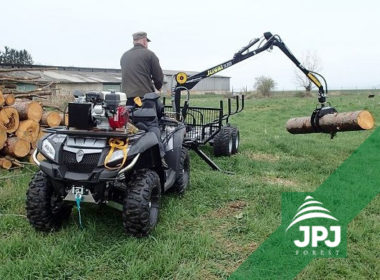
(183,178)
(142,203)
(223,143)
(235,139)
(44,209)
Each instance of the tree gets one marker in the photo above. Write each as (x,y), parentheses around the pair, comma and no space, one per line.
(264,85)
(13,56)
(311,62)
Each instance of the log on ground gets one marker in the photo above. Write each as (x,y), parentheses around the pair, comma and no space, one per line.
(347,121)
(9,118)
(28,130)
(64,119)
(9,99)
(2,99)
(51,118)
(5,163)
(40,135)
(17,147)
(3,136)
(28,110)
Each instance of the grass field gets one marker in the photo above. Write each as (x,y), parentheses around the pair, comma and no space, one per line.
(218,223)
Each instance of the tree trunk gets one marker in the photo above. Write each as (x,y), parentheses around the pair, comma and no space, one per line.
(9,117)
(51,118)
(17,147)
(348,121)
(28,130)
(28,110)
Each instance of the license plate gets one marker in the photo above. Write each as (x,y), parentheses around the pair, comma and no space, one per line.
(79,190)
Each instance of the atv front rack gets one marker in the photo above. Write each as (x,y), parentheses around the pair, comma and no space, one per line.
(90,133)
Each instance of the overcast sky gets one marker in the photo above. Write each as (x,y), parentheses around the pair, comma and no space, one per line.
(195,35)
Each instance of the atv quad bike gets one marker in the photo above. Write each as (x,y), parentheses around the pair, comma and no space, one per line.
(97,160)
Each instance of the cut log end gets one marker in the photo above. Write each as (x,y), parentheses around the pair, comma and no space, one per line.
(366,120)
(51,119)
(9,99)
(29,110)
(9,118)
(5,163)
(17,147)
(28,130)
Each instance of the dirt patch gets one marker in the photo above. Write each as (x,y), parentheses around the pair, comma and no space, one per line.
(263,157)
(230,209)
(280,181)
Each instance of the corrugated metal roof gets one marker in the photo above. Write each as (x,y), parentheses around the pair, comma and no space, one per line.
(63,74)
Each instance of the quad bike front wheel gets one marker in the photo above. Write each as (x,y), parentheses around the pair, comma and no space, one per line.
(183,178)
(45,210)
(142,203)
(223,142)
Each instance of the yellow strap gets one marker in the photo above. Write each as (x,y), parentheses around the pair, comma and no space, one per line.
(138,101)
(116,144)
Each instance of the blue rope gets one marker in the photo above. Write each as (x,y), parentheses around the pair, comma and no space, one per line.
(78,199)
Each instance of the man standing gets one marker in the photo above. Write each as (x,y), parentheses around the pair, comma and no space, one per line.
(140,69)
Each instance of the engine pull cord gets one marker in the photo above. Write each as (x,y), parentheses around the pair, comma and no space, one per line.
(120,145)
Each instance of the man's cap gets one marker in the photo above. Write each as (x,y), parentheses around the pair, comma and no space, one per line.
(140,35)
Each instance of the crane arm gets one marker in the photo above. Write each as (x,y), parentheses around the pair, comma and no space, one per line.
(187,83)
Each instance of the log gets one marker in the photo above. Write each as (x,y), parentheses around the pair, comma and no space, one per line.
(3,136)
(64,119)
(35,94)
(2,99)
(16,147)
(4,163)
(28,130)
(28,110)
(348,121)
(39,156)
(14,161)
(51,119)
(9,118)
(40,135)
(9,99)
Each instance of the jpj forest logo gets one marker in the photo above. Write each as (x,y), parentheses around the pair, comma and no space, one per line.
(313,230)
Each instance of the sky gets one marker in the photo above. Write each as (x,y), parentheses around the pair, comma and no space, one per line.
(198,34)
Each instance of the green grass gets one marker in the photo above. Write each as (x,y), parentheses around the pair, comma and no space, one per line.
(219,222)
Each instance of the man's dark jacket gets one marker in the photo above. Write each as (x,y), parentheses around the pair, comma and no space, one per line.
(139,67)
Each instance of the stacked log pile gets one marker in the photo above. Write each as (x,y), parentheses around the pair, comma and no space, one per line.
(22,119)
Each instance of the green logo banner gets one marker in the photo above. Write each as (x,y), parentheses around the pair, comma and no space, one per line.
(314,225)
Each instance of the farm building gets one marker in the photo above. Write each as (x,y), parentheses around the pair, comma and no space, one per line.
(67,79)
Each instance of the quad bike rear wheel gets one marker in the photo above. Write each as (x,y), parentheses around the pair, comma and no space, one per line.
(183,178)
(142,203)
(223,142)
(235,134)
(45,210)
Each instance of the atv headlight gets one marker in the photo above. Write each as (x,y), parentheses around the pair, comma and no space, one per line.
(48,149)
